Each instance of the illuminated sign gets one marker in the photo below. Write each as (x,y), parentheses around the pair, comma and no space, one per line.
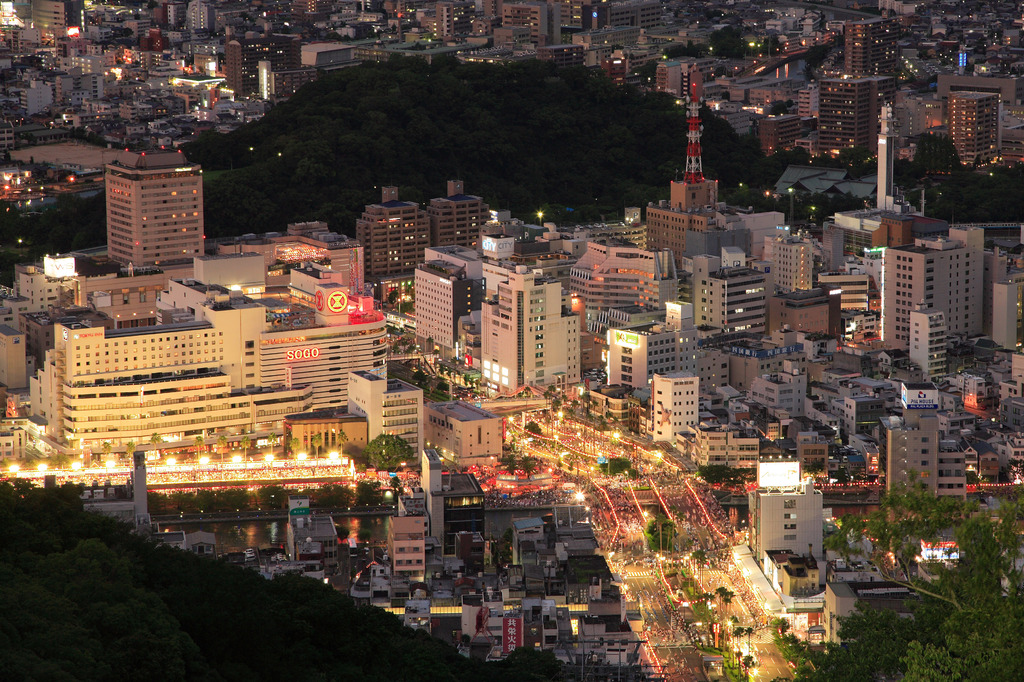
(511,634)
(778,474)
(186,169)
(497,245)
(337,302)
(58,268)
(944,550)
(302,354)
(74,31)
(628,339)
(319,300)
(292,339)
(920,397)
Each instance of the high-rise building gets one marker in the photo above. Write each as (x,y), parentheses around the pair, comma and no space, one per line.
(943,274)
(927,348)
(974,125)
(871,47)
(242,56)
(732,299)
(792,259)
(1008,311)
(456,219)
(848,111)
(915,452)
(393,234)
(786,517)
(154,208)
(675,404)
(616,274)
(529,335)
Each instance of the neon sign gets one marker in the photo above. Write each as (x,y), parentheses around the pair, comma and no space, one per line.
(302,354)
(337,302)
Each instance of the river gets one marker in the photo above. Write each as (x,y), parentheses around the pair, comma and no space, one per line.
(235,536)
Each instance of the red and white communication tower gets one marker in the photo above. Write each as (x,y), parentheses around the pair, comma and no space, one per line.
(694,171)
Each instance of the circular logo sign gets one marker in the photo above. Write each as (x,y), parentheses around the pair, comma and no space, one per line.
(337,301)
(319,300)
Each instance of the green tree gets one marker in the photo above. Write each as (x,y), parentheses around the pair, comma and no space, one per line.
(534,428)
(272,497)
(129,451)
(222,445)
(199,442)
(388,451)
(369,494)
(660,533)
(967,616)
(342,439)
(246,444)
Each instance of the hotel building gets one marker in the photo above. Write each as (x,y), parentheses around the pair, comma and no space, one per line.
(154,208)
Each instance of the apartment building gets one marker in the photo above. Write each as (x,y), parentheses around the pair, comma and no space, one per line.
(406,546)
(393,234)
(848,110)
(154,208)
(871,47)
(529,335)
(728,298)
(974,125)
(943,274)
(792,262)
(457,218)
(927,347)
(242,57)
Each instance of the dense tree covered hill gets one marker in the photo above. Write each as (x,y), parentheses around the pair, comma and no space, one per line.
(524,136)
(82,598)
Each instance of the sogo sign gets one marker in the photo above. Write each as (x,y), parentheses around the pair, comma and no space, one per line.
(302,354)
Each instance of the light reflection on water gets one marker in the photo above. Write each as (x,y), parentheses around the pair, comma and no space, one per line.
(234,536)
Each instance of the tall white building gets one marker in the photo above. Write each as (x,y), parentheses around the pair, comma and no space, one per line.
(792,262)
(390,406)
(675,403)
(1008,310)
(731,299)
(636,354)
(946,275)
(787,517)
(928,341)
(529,336)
